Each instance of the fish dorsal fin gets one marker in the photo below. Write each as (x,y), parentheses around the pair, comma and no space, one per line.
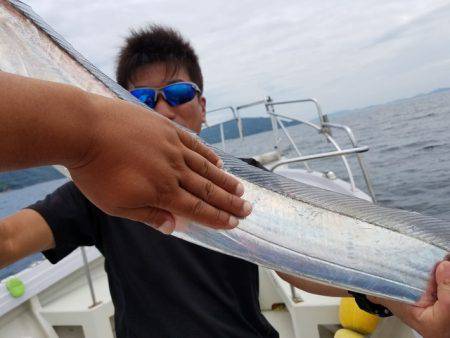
(425,228)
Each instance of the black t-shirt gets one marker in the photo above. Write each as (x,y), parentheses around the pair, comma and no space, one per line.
(161,286)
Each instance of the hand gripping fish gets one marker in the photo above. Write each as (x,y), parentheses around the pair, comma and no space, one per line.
(316,234)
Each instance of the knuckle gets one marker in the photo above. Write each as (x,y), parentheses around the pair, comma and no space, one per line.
(182,135)
(197,145)
(222,217)
(205,168)
(209,189)
(198,207)
(194,144)
(165,190)
(177,164)
(231,200)
(172,136)
(225,181)
(218,215)
(208,153)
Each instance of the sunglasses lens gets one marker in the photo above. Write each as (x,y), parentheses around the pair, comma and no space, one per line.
(179,93)
(145,95)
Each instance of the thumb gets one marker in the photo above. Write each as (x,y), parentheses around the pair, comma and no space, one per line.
(158,219)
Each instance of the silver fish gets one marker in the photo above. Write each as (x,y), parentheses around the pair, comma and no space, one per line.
(316,234)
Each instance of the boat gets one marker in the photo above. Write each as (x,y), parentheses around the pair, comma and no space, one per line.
(71,299)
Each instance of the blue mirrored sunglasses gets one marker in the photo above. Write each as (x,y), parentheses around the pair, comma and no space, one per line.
(174,94)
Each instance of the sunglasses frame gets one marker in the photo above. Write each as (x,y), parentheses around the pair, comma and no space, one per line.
(160,90)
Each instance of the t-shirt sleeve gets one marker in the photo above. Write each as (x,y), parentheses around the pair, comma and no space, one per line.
(72,218)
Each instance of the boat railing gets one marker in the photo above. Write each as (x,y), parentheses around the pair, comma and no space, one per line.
(359,156)
(235,117)
(324,127)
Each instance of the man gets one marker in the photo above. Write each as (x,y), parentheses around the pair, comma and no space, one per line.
(161,286)
(44,123)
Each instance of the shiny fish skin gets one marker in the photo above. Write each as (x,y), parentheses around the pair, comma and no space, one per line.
(320,235)
(297,238)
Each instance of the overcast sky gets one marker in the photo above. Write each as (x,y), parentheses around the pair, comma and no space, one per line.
(347,54)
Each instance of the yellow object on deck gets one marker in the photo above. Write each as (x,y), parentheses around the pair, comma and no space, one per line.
(355,319)
(344,333)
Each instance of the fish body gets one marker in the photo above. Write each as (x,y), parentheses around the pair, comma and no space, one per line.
(316,234)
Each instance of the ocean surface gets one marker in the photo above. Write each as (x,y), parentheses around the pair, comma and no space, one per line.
(408,160)
(409,150)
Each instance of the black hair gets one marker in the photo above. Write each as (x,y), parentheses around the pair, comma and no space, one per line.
(155,44)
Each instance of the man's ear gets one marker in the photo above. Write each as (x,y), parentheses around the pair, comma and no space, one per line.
(202,101)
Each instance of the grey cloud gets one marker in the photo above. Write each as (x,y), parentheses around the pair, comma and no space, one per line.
(346,53)
(416,25)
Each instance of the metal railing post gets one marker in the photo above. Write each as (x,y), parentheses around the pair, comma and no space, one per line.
(89,277)
(222,136)
(359,157)
(271,111)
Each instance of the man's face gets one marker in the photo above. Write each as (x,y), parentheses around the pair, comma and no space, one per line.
(190,114)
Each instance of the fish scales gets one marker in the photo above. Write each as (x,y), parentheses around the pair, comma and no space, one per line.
(316,234)
(429,229)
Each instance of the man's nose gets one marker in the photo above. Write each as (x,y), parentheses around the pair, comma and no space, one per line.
(164,108)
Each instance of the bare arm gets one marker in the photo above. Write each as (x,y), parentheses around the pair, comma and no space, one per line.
(312,287)
(42,123)
(110,145)
(23,234)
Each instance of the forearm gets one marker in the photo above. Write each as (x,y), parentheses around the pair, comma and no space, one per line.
(313,287)
(42,122)
(23,234)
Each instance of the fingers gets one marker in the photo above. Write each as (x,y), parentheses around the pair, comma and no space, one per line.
(429,319)
(197,210)
(219,177)
(426,316)
(443,288)
(430,295)
(215,196)
(156,218)
(194,143)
